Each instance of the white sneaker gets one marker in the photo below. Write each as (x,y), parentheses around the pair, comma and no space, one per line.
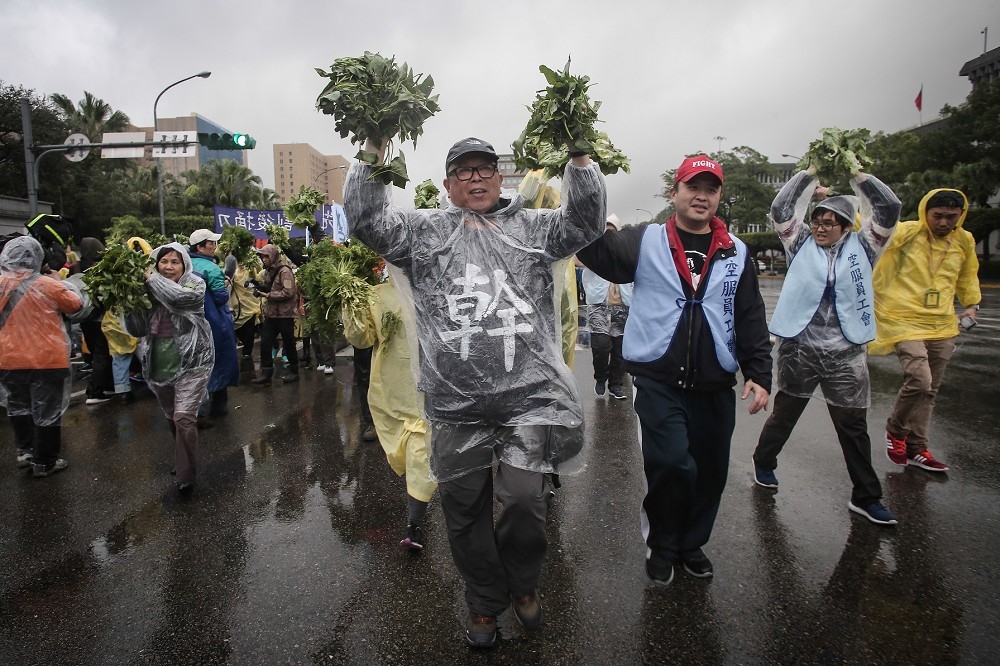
(327,370)
(320,368)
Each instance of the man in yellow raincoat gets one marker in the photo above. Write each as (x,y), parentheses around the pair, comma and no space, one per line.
(929,262)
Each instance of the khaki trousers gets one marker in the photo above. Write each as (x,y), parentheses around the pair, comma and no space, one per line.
(923,363)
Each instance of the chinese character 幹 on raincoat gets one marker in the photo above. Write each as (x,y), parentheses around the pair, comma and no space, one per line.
(481,295)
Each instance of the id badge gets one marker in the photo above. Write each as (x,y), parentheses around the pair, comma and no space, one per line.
(932,298)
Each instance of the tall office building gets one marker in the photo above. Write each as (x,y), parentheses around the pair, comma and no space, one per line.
(299,164)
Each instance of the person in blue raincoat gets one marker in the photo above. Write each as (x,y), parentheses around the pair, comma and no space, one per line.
(226,372)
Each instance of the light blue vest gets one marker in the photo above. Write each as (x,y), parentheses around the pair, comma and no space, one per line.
(658,300)
(596,289)
(806,282)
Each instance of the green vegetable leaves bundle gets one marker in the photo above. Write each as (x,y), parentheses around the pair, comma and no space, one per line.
(118,281)
(301,208)
(277,235)
(837,155)
(239,242)
(563,115)
(337,276)
(372,97)
(427,195)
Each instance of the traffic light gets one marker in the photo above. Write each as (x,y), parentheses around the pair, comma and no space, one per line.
(215,141)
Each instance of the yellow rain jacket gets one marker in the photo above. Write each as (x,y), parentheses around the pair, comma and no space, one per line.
(392,394)
(918,278)
(242,302)
(119,342)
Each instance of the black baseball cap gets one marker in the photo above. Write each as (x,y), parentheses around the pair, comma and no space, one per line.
(946,199)
(466,146)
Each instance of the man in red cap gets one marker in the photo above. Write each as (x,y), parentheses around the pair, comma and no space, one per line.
(696,318)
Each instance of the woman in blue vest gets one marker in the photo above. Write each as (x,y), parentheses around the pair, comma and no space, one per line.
(824,318)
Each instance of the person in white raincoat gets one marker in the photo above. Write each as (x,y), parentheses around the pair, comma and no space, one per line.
(477,283)
(177,352)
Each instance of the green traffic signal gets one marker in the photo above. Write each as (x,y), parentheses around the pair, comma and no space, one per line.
(216,141)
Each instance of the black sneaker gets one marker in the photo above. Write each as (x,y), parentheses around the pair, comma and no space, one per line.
(599,388)
(697,564)
(414,539)
(39,471)
(481,631)
(98,398)
(617,391)
(661,574)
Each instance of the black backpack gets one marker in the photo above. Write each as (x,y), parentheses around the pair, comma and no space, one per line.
(54,233)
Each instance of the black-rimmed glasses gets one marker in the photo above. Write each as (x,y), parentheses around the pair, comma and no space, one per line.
(823,224)
(465,173)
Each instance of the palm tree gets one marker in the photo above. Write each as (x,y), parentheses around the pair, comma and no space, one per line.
(92,118)
(225,183)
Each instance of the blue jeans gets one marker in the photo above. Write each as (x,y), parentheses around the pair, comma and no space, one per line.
(120,364)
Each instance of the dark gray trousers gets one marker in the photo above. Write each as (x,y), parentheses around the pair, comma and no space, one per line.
(498,561)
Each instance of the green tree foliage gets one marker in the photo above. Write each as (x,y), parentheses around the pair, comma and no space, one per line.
(223,183)
(91,117)
(964,153)
(48,128)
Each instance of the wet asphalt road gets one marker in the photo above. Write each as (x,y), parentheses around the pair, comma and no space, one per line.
(287,551)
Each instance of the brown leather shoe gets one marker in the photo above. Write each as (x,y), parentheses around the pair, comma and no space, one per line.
(369,435)
(481,631)
(528,609)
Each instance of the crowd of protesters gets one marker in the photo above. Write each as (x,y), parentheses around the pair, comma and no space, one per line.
(495,413)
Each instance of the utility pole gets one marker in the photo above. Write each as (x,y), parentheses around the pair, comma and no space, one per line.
(29,156)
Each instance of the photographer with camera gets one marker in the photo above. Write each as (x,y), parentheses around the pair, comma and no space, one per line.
(279,311)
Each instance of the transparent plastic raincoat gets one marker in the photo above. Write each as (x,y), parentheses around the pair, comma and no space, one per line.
(178,353)
(821,355)
(33,336)
(918,279)
(392,395)
(480,295)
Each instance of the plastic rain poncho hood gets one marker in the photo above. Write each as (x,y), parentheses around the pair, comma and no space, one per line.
(480,295)
(915,264)
(179,314)
(34,337)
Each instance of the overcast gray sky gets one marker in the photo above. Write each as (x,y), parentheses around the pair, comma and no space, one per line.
(671,76)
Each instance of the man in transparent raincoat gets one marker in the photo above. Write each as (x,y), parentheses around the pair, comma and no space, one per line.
(480,293)
(930,262)
(35,378)
(825,316)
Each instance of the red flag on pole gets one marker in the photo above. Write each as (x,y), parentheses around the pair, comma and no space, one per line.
(919,101)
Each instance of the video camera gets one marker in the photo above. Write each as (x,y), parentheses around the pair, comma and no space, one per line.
(256,286)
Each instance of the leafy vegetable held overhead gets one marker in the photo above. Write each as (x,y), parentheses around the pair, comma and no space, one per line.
(301,208)
(118,282)
(563,115)
(277,235)
(837,155)
(427,195)
(240,242)
(337,276)
(372,97)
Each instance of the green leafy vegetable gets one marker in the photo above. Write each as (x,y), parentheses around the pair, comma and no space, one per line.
(118,282)
(239,242)
(301,208)
(427,195)
(837,155)
(563,115)
(277,235)
(390,324)
(337,276)
(372,97)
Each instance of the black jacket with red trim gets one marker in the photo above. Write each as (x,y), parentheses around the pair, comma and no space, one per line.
(690,361)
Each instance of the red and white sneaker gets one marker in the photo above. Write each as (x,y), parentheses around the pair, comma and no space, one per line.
(924,460)
(895,449)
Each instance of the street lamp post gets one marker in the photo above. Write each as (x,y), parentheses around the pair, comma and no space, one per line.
(643,210)
(794,157)
(159,169)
